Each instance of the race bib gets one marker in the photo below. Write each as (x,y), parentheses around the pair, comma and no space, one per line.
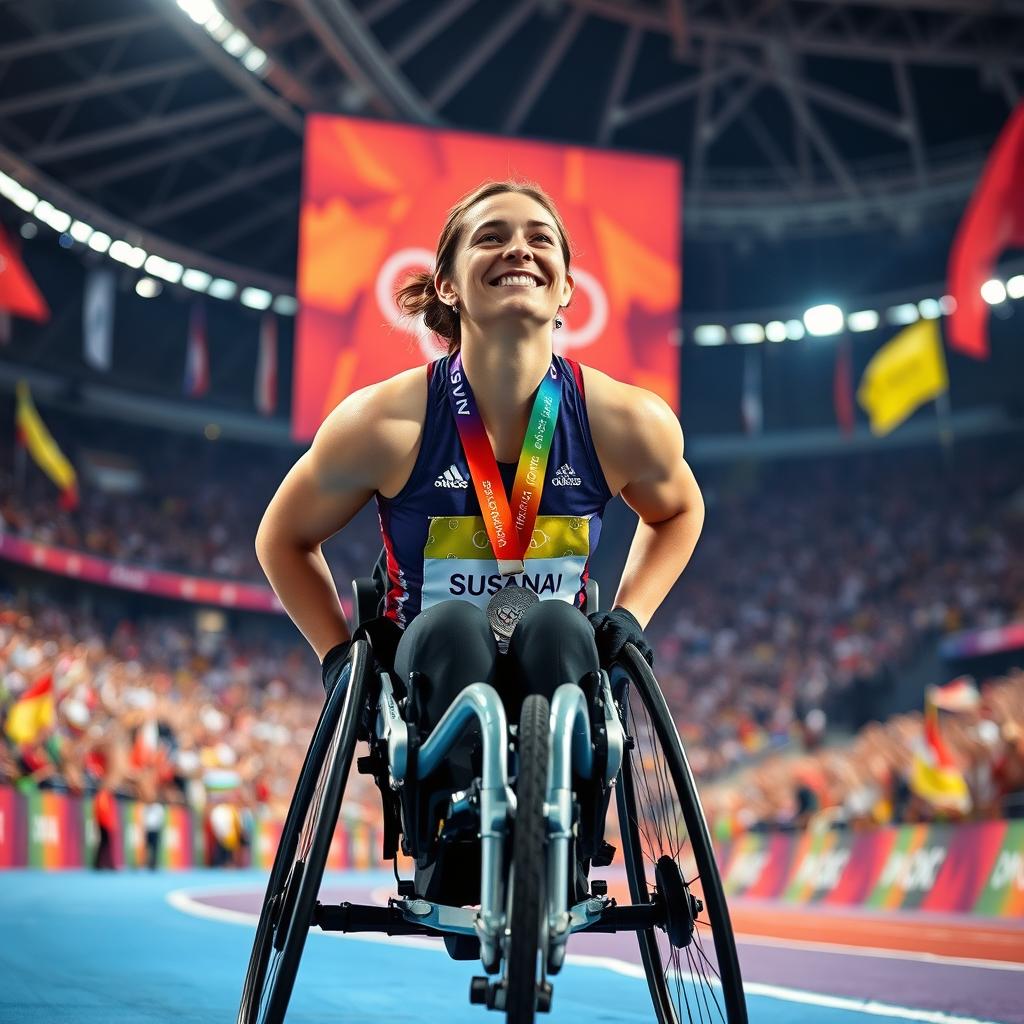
(458,562)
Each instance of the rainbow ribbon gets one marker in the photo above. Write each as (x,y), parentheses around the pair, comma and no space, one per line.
(509,524)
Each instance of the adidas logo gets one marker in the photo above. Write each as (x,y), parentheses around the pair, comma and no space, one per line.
(566,477)
(451,477)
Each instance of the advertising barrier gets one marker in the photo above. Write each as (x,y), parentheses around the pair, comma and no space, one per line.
(195,589)
(975,868)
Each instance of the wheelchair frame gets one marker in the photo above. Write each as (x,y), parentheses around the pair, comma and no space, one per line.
(588,742)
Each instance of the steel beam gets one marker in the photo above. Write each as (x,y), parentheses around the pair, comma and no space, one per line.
(146,128)
(436,22)
(542,73)
(47,42)
(619,85)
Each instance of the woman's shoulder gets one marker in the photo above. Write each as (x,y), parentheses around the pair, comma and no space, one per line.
(629,426)
(378,427)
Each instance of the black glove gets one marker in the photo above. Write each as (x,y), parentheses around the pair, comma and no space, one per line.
(613,630)
(333,663)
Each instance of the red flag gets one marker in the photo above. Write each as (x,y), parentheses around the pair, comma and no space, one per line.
(18,292)
(197,361)
(993,222)
(266,367)
(842,388)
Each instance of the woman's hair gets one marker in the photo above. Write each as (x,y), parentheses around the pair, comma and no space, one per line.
(418,296)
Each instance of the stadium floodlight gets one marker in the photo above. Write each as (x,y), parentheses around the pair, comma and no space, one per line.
(237,43)
(222,288)
(148,288)
(775,330)
(747,334)
(709,334)
(80,231)
(993,291)
(199,10)
(286,305)
(1015,287)
(903,314)
(948,305)
(795,329)
(125,252)
(25,199)
(930,309)
(51,216)
(99,241)
(166,269)
(196,280)
(8,186)
(255,59)
(255,298)
(862,320)
(824,320)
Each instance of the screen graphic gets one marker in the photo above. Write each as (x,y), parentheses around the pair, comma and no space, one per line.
(375,197)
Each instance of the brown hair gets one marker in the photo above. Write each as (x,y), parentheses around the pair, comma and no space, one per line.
(418,296)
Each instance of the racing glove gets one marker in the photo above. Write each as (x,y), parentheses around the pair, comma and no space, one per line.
(613,630)
(333,663)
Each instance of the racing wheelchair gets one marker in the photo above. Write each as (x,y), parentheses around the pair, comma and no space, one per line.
(530,826)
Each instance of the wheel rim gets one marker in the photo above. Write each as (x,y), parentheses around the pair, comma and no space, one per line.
(282,919)
(689,970)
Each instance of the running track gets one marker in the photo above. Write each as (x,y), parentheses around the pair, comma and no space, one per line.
(137,948)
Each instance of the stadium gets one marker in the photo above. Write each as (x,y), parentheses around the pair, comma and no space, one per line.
(747,742)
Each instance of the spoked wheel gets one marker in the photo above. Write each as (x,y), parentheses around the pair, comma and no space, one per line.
(527,884)
(690,959)
(298,869)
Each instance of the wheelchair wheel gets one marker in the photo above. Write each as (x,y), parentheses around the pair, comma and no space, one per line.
(691,963)
(527,904)
(298,869)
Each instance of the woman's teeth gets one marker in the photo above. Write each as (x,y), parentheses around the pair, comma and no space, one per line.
(516,279)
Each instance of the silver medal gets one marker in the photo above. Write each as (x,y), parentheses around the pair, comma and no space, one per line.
(506,608)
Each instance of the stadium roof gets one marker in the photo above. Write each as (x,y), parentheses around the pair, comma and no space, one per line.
(183,118)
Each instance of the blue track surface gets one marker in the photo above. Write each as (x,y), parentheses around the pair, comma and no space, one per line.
(84,948)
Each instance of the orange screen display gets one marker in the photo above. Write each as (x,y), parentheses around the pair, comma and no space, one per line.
(375,197)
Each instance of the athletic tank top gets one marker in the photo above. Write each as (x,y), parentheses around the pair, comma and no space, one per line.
(435,541)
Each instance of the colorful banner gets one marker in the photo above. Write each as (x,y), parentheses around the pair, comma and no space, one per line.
(375,197)
(973,868)
(194,589)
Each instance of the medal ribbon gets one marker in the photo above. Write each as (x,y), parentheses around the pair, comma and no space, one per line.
(509,526)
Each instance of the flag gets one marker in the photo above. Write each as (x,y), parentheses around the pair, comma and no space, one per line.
(32,433)
(934,774)
(266,366)
(197,362)
(992,223)
(98,319)
(32,713)
(961,694)
(842,388)
(751,406)
(18,292)
(903,374)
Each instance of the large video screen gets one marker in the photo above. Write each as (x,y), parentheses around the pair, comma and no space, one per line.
(375,196)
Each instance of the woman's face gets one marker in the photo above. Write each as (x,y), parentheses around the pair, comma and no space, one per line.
(509,263)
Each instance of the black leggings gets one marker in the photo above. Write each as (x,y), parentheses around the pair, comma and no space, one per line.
(451,645)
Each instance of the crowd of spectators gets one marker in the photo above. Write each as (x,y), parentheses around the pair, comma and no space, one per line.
(871,779)
(149,711)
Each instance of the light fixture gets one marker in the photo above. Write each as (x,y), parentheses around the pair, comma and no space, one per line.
(222,288)
(286,305)
(255,298)
(1015,287)
(993,291)
(903,314)
(775,330)
(747,334)
(795,329)
(99,241)
(148,288)
(862,320)
(930,309)
(196,280)
(709,334)
(824,320)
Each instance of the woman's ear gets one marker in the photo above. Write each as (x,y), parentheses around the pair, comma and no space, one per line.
(567,289)
(445,290)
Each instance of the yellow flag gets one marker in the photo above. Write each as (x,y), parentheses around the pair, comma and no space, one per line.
(902,375)
(42,447)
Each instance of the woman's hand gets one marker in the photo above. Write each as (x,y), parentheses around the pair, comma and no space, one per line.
(613,630)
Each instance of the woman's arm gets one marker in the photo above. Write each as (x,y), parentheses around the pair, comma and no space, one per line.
(640,445)
(359,448)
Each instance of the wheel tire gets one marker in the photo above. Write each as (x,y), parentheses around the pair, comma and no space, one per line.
(529,864)
(672,1004)
(287,912)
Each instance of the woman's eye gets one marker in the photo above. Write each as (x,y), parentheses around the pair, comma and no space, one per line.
(544,238)
(489,237)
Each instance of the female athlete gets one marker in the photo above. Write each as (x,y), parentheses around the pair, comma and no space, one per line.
(491,469)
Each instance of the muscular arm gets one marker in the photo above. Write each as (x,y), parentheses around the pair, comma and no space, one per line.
(359,449)
(640,445)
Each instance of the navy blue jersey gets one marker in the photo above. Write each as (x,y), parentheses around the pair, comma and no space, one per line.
(434,536)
